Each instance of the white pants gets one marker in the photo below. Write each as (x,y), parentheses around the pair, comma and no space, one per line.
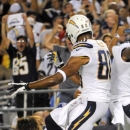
(83,116)
(119,115)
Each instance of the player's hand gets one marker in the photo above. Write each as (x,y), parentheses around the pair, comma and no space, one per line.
(56,59)
(17,87)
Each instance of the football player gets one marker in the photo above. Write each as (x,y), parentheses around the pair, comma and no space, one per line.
(92,60)
(120,80)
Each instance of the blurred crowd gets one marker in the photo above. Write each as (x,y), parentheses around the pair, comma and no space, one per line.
(41,24)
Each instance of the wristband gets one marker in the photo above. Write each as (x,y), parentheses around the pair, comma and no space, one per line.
(63,74)
(27,87)
(117,35)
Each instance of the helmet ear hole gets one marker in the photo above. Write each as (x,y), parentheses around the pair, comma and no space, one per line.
(68,36)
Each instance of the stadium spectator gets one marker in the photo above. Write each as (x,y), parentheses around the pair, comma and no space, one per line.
(43,115)
(107,38)
(49,14)
(109,18)
(32,14)
(44,34)
(114,6)
(23,61)
(30,123)
(68,8)
(97,29)
(123,13)
(90,10)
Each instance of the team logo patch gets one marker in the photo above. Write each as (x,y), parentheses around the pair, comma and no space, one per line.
(15,20)
(73,23)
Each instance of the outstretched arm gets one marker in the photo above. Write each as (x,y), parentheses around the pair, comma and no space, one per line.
(69,69)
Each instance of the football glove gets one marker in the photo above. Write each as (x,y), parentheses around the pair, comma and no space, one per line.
(56,59)
(17,87)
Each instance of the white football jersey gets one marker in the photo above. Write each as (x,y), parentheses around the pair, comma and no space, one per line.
(47,66)
(95,75)
(120,76)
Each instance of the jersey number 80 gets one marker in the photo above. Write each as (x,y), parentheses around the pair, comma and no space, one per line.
(104,69)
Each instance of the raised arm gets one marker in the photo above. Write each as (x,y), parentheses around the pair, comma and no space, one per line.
(28,30)
(115,27)
(120,31)
(92,9)
(105,5)
(2,49)
(48,40)
(5,40)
